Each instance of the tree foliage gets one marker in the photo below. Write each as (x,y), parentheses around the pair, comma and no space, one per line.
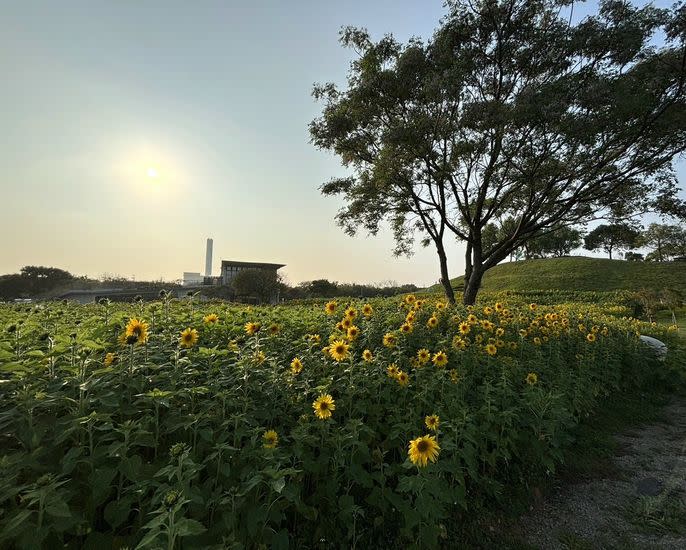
(610,237)
(509,120)
(665,241)
(263,284)
(557,243)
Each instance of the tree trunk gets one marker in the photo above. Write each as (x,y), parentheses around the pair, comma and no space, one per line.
(445,278)
(472,285)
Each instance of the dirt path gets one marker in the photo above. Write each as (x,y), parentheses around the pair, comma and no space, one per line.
(639,504)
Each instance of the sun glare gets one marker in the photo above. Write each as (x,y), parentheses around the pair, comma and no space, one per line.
(152,173)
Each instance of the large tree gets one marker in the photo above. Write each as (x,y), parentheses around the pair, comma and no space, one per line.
(610,237)
(509,116)
(666,241)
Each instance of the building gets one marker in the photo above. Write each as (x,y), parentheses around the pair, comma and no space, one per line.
(192,279)
(231,268)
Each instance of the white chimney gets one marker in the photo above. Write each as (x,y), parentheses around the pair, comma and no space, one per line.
(208,259)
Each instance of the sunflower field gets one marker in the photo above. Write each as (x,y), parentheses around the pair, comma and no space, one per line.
(177,424)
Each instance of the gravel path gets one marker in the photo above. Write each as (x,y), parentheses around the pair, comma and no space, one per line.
(639,505)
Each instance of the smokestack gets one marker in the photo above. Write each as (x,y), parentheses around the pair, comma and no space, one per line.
(208,259)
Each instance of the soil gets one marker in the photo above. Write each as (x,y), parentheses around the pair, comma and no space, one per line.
(639,502)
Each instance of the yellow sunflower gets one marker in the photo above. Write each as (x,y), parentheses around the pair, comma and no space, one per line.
(109,359)
(491,349)
(423,356)
(402,378)
(590,337)
(270,439)
(454,376)
(390,339)
(296,366)
(532,307)
(410,299)
(351,313)
(367,355)
(353,332)
(531,378)
(330,307)
(323,406)
(440,359)
(259,357)
(432,421)
(406,328)
(211,319)
(392,370)
(188,338)
(432,322)
(367,310)
(137,328)
(251,328)
(423,449)
(338,350)
(465,328)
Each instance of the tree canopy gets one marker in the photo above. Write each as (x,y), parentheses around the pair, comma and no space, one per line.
(610,237)
(510,120)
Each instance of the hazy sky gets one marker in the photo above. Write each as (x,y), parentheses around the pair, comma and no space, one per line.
(212,95)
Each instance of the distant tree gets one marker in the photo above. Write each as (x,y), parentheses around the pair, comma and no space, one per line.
(617,236)
(263,284)
(666,241)
(559,242)
(320,288)
(509,111)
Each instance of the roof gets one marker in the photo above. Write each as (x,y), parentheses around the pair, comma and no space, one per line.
(255,265)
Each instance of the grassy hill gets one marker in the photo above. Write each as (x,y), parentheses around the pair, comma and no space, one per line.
(581,273)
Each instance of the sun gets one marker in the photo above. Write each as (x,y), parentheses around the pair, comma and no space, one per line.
(152,173)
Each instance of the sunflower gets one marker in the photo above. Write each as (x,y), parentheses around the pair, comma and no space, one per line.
(389,340)
(109,359)
(211,319)
(137,328)
(410,299)
(353,332)
(251,328)
(454,376)
(440,306)
(314,338)
(406,328)
(440,359)
(402,378)
(499,331)
(351,313)
(432,322)
(367,310)
(465,328)
(270,439)
(458,343)
(472,319)
(523,332)
(499,307)
(423,449)
(423,356)
(274,328)
(432,421)
(323,406)
(590,337)
(531,378)
(338,350)
(296,366)
(537,341)
(532,307)
(259,357)
(346,323)
(367,355)
(488,310)
(330,307)
(392,370)
(410,316)
(188,338)
(491,349)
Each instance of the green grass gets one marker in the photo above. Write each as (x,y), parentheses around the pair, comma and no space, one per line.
(582,273)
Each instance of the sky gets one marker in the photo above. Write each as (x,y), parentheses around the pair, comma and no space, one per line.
(134,130)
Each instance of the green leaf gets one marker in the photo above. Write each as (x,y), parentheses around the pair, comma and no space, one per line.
(188,526)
